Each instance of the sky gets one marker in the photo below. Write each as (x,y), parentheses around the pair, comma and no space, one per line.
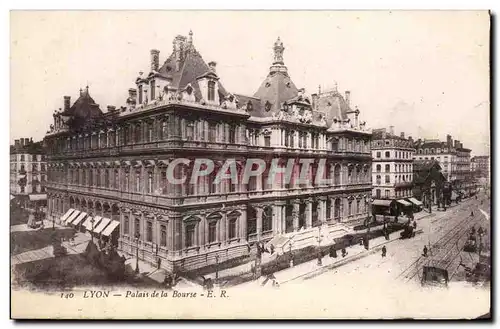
(426,73)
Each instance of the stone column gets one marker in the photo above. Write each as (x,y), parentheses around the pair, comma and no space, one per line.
(277,219)
(243,224)
(296,214)
(202,230)
(309,214)
(259,223)
(283,219)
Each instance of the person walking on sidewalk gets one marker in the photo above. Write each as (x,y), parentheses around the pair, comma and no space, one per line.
(425,251)
(344,252)
(333,252)
(384,251)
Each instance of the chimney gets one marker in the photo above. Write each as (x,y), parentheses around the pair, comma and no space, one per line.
(315,98)
(155,59)
(391,130)
(67,102)
(212,66)
(449,141)
(456,143)
(16,142)
(348,97)
(132,93)
(402,134)
(111,108)
(179,42)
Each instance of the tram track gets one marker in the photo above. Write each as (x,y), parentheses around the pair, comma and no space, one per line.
(444,246)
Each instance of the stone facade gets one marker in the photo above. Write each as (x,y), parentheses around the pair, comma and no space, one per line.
(115,163)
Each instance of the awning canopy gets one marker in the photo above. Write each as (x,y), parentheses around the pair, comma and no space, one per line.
(79,218)
(89,224)
(66,215)
(404,203)
(415,201)
(38,197)
(104,222)
(72,216)
(385,203)
(454,195)
(111,227)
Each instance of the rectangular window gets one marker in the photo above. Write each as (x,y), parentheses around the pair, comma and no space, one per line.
(150,183)
(378,194)
(163,236)
(212,232)
(232,134)
(190,235)
(387,194)
(232,229)
(267,140)
(137,182)
(189,130)
(387,179)
(378,154)
(139,94)
(211,90)
(150,131)
(137,227)
(153,96)
(212,131)
(149,232)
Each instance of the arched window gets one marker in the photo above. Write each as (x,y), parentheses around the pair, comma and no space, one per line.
(267,219)
(336,209)
(336,175)
(387,168)
(211,90)
(379,168)
(387,154)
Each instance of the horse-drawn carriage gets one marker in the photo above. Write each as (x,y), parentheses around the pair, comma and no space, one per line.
(408,232)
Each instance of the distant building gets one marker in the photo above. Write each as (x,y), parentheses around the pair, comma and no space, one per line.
(480,166)
(429,184)
(453,158)
(28,173)
(392,171)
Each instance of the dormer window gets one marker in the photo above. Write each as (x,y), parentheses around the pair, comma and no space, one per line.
(268,85)
(249,106)
(211,90)
(140,94)
(288,85)
(153,90)
(268,106)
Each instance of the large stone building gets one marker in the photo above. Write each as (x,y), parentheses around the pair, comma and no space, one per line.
(453,158)
(27,169)
(392,171)
(114,164)
(480,167)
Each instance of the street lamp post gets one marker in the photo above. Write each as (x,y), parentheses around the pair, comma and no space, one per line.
(320,261)
(137,236)
(92,222)
(216,269)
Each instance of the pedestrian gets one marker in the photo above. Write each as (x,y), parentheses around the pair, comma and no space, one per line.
(271,247)
(384,251)
(425,251)
(344,252)
(472,213)
(333,252)
(414,225)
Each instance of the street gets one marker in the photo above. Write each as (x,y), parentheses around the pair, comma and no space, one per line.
(390,286)
(446,233)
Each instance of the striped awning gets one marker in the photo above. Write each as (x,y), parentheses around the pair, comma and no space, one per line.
(104,222)
(404,203)
(415,201)
(66,215)
(79,218)
(72,216)
(385,203)
(111,227)
(38,197)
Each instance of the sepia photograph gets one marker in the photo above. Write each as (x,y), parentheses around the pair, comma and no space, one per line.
(250,164)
